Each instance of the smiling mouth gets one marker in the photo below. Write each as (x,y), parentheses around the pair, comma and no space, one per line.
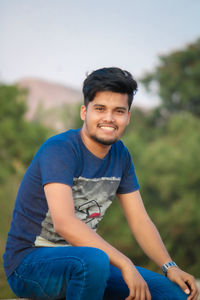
(107,127)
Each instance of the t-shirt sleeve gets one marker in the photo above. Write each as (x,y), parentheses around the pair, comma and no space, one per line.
(129,182)
(57,162)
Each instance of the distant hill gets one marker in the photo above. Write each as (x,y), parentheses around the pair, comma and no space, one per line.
(46,99)
(47,94)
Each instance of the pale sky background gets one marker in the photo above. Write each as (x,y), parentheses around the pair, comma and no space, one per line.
(61,40)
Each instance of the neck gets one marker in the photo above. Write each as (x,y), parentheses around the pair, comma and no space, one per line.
(94,147)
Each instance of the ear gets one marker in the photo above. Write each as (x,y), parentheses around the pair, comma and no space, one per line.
(83,112)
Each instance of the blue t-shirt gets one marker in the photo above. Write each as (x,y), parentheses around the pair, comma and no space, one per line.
(94,181)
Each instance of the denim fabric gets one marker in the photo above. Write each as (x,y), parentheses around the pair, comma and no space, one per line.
(80,273)
(161,288)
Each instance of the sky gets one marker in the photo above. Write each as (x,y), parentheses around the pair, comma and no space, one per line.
(63,40)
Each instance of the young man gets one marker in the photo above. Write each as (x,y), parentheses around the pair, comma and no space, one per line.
(53,250)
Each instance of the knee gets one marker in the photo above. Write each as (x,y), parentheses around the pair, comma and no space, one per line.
(178,294)
(172,292)
(175,292)
(93,263)
(97,266)
(98,263)
(93,267)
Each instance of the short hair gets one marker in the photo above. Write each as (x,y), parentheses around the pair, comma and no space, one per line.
(109,79)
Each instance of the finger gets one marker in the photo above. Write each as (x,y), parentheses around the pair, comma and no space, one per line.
(131,295)
(143,294)
(193,288)
(183,286)
(137,294)
(148,295)
(194,297)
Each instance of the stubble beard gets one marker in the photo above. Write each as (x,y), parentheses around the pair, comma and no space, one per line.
(103,141)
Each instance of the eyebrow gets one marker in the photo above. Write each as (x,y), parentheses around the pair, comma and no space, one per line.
(118,107)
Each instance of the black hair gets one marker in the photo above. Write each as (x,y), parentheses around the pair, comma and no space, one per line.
(109,79)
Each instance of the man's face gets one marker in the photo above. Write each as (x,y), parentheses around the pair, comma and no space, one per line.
(106,117)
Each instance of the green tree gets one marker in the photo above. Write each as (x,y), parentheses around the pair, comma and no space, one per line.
(168,170)
(19,140)
(176,80)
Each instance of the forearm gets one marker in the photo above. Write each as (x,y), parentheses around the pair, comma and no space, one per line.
(150,241)
(143,228)
(79,234)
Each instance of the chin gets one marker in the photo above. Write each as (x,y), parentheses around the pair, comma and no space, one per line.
(105,142)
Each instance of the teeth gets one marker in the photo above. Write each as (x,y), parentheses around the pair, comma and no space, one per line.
(107,128)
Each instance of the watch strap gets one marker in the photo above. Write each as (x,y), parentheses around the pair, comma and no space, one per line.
(167,266)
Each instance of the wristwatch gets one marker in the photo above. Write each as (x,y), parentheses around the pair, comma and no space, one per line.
(168,265)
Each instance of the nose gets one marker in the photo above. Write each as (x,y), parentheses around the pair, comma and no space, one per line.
(108,116)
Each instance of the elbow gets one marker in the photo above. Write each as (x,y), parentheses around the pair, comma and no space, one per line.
(64,227)
(58,228)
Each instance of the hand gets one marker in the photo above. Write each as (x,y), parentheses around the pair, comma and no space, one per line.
(185,281)
(138,289)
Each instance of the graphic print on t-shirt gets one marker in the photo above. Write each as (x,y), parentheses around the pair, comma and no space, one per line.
(91,199)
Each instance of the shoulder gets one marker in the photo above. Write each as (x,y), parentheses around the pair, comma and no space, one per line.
(120,148)
(65,146)
(63,141)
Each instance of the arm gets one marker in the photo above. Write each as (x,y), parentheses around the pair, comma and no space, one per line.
(61,206)
(150,241)
(143,228)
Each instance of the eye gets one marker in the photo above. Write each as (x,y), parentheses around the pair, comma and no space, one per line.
(120,111)
(100,109)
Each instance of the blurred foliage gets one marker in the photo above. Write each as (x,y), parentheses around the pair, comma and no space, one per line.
(164,144)
(8,192)
(168,170)
(176,80)
(19,140)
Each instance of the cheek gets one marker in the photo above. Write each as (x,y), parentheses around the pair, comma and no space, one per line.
(93,118)
(91,121)
(123,122)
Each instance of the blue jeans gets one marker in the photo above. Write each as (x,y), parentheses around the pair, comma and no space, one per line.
(80,273)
